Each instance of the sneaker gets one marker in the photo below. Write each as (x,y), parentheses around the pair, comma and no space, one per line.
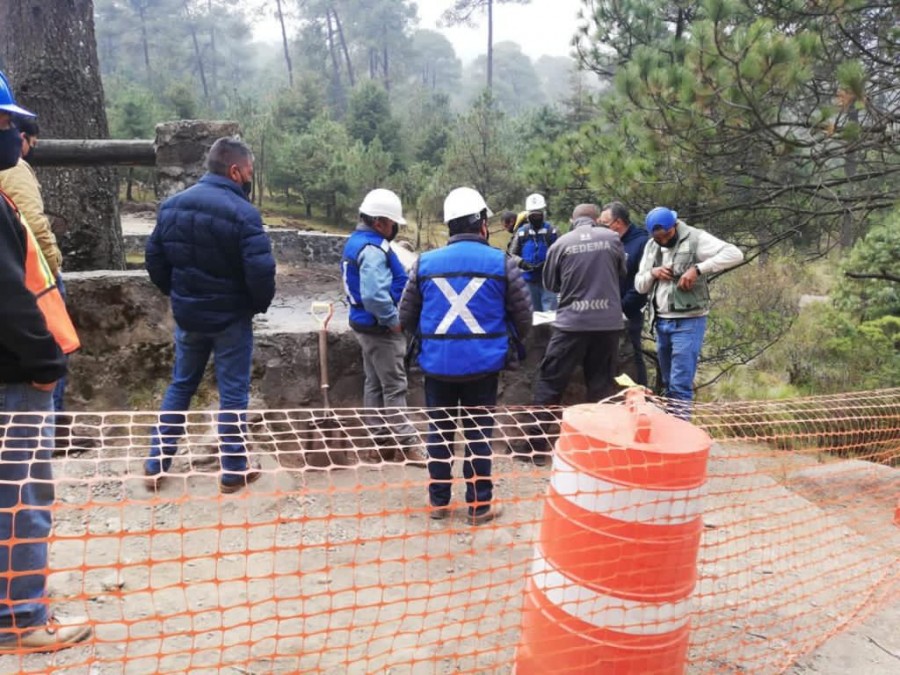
(56,634)
(439,512)
(251,476)
(492,512)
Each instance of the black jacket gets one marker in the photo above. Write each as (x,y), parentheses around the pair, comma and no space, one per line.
(28,352)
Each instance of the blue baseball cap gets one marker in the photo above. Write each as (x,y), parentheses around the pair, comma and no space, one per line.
(661,218)
(8,103)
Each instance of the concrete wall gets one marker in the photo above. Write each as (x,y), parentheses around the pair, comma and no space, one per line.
(290,247)
(125,326)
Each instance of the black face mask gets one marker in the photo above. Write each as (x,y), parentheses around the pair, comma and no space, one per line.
(671,243)
(395,229)
(247,188)
(10,148)
(536,219)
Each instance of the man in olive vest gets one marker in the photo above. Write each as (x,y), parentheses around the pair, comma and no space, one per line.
(464,301)
(673,272)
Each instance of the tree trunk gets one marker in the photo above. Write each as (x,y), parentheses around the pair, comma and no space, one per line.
(144,42)
(387,73)
(490,51)
(214,59)
(284,42)
(197,54)
(51,56)
(340,32)
(851,166)
(129,184)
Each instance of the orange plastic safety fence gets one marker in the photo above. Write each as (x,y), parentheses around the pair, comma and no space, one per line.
(332,562)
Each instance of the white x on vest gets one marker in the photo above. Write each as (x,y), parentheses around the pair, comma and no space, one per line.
(459,306)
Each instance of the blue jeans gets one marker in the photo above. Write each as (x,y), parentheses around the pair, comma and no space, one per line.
(542,300)
(59,391)
(678,343)
(445,400)
(26,496)
(232,350)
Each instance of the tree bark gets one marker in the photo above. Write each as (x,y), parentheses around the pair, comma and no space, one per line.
(51,56)
(284,42)
(193,28)
(340,31)
(490,53)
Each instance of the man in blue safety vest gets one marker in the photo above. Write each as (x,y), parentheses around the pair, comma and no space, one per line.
(374,279)
(464,301)
(530,243)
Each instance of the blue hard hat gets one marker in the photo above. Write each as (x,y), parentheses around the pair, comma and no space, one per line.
(661,217)
(8,103)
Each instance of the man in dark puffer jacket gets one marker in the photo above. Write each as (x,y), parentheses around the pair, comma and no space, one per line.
(210,254)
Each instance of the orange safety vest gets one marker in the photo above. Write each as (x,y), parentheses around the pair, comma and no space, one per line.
(41,282)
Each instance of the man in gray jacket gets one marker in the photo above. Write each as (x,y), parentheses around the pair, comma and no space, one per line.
(584,267)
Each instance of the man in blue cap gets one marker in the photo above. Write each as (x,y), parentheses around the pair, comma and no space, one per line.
(31,362)
(676,263)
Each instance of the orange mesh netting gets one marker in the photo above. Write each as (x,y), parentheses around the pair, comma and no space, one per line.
(330,563)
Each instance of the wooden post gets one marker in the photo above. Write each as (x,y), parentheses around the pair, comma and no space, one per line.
(93,152)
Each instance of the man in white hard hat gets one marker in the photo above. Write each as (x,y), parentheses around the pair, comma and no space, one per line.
(374,279)
(465,301)
(532,241)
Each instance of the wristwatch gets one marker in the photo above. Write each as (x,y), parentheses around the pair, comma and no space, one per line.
(697,267)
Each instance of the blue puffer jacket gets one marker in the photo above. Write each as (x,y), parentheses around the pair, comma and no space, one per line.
(210,254)
(634,241)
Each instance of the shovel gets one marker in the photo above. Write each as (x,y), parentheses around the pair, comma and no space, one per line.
(327,442)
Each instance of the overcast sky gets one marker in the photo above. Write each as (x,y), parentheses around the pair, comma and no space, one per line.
(541,27)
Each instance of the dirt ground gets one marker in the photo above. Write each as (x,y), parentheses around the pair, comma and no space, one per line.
(341,571)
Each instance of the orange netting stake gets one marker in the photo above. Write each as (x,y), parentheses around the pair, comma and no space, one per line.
(616,559)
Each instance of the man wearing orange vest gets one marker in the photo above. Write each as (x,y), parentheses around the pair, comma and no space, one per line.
(35,334)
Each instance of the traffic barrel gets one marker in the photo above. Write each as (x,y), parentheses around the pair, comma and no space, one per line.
(616,558)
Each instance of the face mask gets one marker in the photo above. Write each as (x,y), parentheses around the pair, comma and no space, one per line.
(536,219)
(671,243)
(10,148)
(395,228)
(247,187)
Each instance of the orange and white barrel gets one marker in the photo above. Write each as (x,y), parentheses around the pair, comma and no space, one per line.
(616,559)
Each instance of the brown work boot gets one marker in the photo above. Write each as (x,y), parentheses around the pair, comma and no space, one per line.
(415,455)
(57,633)
(439,512)
(492,512)
(252,475)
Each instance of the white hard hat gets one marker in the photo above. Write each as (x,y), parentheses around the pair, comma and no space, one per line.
(535,202)
(464,201)
(384,204)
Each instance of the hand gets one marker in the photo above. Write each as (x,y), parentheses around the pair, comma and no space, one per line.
(662,274)
(40,386)
(687,280)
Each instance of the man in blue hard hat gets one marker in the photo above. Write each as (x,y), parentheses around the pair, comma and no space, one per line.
(673,273)
(31,362)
